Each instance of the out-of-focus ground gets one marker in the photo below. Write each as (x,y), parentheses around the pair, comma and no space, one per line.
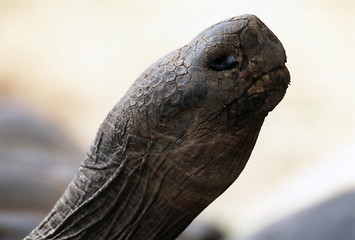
(71,61)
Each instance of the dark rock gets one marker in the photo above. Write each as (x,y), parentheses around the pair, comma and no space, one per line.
(201,231)
(329,220)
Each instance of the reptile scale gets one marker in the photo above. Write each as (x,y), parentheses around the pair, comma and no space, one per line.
(178,139)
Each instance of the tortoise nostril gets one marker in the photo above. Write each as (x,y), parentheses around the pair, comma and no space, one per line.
(224,62)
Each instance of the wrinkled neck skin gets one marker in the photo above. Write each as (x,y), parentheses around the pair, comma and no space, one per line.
(177,140)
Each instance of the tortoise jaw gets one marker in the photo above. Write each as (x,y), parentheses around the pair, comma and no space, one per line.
(264,94)
(275,84)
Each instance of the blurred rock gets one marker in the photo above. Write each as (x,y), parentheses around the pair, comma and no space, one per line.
(14,226)
(329,220)
(37,161)
(201,231)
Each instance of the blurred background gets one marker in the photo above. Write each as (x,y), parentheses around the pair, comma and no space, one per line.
(65,64)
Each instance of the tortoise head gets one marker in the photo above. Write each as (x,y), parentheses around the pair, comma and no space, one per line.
(209,98)
(240,64)
(235,68)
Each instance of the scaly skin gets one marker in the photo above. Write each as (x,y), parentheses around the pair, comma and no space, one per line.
(177,140)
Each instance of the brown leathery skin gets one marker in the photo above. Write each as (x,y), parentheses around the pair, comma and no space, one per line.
(179,137)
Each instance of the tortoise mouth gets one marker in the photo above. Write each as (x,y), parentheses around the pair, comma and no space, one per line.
(274,84)
(280,77)
(266,92)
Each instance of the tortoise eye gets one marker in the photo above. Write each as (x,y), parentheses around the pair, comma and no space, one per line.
(224,62)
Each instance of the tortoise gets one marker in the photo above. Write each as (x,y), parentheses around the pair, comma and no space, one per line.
(178,139)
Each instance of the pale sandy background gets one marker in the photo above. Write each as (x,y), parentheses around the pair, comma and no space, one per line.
(71,61)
